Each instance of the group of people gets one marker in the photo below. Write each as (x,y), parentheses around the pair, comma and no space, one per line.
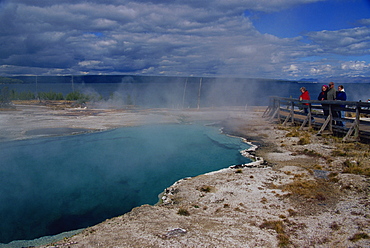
(327,93)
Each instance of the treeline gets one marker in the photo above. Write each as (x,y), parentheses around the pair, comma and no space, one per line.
(5,80)
(9,95)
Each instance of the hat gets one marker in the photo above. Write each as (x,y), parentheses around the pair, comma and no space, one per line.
(325,86)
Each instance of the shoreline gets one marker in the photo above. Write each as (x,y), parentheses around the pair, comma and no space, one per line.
(257,207)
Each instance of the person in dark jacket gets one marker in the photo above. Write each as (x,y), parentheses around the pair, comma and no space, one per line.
(341,96)
(323,96)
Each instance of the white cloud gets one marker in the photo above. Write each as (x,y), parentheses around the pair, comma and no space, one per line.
(176,38)
(89,63)
(355,41)
(355,65)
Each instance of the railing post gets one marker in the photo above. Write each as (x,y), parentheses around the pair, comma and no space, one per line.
(357,121)
(309,116)
(292,111)
(278,107)
(330,118)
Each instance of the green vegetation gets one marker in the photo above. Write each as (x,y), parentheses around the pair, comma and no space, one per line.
(4,96)
(28,95)
(50,96)
(5,80)
(77,96)
(7,95)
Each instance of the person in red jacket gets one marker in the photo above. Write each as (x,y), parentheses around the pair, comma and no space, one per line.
(304,96)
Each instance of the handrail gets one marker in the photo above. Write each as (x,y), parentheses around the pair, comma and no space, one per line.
(328,110)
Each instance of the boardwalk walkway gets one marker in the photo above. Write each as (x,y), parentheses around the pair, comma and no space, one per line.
(348,119)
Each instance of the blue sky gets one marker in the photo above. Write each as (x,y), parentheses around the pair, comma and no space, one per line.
(325,15)
(318,16)
(284,39)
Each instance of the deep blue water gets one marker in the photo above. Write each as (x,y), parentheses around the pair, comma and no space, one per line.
(51,185)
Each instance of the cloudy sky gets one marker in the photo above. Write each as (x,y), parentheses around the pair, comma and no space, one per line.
(285,39)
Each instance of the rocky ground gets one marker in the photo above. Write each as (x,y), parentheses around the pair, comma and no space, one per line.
(305,192)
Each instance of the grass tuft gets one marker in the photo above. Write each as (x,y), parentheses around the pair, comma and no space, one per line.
(279,228)
(355,167)
(358,236)
(206,189)
(304,141)
(183,211)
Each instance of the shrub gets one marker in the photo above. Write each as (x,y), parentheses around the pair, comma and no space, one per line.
(304,141)
(183,211)
(206,189)
(50,95)
(355,168)
(293,133)
(338,153)
(359,236)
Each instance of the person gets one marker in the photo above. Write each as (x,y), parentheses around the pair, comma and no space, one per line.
(323,96)
(305,95)
(341,96)
(331,96)
(331,92)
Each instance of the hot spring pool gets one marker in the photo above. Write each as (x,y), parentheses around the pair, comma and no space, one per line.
(57,184)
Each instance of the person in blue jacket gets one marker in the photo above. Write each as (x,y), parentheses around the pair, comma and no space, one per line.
(341,96)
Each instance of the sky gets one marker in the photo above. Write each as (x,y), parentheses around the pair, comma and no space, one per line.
(275,39)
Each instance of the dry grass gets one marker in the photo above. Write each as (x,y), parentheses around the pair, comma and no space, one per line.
(207,189)
(356,157)
(279,228)
(356,167)
(355,154)
(358,236)
(304,141)
(183,211)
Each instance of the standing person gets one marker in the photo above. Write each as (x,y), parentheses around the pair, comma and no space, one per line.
(331,96)
(324,96)
(305,95)
(341,96)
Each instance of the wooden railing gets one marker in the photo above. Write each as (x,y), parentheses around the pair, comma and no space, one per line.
(311,113)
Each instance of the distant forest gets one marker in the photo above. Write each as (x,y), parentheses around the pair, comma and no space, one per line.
(6,80)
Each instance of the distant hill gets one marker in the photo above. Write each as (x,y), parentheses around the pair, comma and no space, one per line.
(160,79)
(309,80)
(6,80)
(339,80)
(135,79)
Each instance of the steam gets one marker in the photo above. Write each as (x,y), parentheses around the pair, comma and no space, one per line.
(183,92)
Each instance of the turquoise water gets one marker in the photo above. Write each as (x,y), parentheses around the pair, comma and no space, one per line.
(51,185)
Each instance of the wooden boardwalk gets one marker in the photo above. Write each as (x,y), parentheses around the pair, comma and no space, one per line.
(310,113)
